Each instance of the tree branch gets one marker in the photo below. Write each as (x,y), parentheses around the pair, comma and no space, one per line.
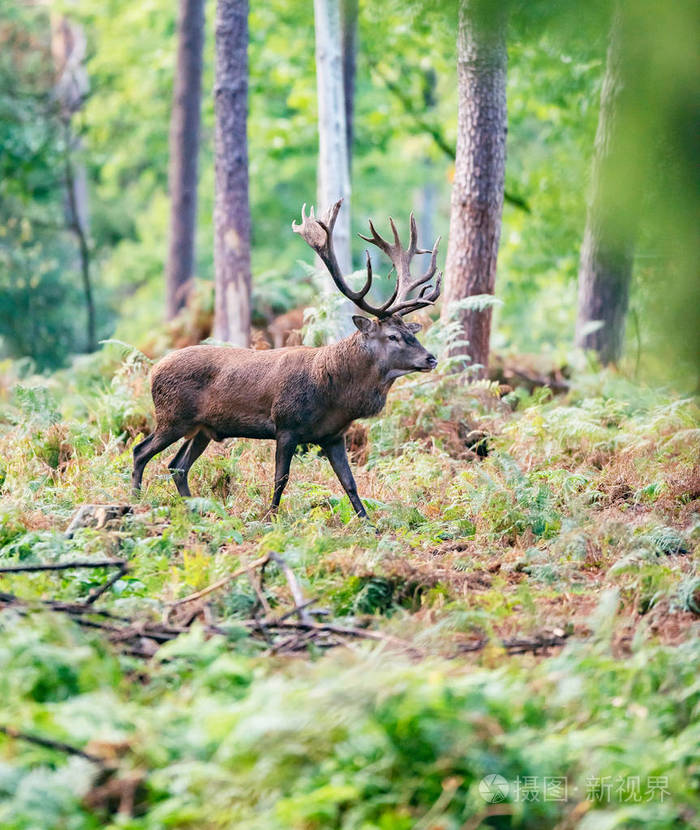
(435,133)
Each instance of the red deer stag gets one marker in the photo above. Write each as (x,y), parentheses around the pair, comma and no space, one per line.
(296,394)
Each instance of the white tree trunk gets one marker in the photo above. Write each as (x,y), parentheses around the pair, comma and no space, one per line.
(333,175)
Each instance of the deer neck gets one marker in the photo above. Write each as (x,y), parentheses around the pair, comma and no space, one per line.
(353,379)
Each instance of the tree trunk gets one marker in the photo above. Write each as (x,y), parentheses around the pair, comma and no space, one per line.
(69,48)
(184,150)
(477,190)
(607,251)
(76,213)
(428,197)
(349,12)
(232,209)
(333,168)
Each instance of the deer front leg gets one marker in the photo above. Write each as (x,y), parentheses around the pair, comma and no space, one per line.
(336,454)
(286,444)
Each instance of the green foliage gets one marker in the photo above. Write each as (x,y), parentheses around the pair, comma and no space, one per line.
(347,743)
(532,537)
(39,282)
(578,516)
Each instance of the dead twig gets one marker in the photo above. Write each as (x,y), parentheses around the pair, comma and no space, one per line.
(96,593)
(219,583)
(297,608)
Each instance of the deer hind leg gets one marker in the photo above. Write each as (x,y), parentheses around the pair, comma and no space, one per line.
(286,444)
(336,454)
(188,453)
(146,449)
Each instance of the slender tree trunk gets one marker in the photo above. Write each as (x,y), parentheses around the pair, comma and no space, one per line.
(77,223)
(477,190)
(607,252)
(428,194)
(184,150)
(232,208)
(349,10)
(68,48)
(333,167)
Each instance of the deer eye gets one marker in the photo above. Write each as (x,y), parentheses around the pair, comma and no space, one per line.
(393,337)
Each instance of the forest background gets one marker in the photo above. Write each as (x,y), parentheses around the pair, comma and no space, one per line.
(404,134)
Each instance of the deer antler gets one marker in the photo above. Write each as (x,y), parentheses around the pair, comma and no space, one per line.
(401,260)
(318,233)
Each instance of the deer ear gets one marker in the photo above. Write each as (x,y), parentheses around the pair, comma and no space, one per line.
(414,327)
(363,323)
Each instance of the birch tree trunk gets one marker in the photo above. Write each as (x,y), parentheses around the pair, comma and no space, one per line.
(333,167)
(607,252)
(184,151)
(232,208)
(477,190)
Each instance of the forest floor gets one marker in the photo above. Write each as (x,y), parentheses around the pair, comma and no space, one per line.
(525,602)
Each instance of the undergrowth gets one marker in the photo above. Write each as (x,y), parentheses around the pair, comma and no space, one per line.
(495,514)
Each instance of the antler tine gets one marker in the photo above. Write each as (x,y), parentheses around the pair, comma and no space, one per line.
(332,214)
(413,245)
(413,237)
(377,240)
(397,240)
(433,262)
(422,300)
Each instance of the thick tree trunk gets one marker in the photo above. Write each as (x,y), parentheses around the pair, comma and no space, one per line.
(184,150)
(232,208)
(607,251)
(477,190)
(333,167)
(349,13)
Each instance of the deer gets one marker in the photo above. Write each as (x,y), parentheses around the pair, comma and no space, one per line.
(296,394)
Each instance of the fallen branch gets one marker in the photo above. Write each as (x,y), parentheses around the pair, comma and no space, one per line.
(142,638)
(49,743)
(65,566)
(360,633)
(517,645)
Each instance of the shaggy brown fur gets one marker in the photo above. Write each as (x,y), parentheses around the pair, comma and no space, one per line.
(292,395)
